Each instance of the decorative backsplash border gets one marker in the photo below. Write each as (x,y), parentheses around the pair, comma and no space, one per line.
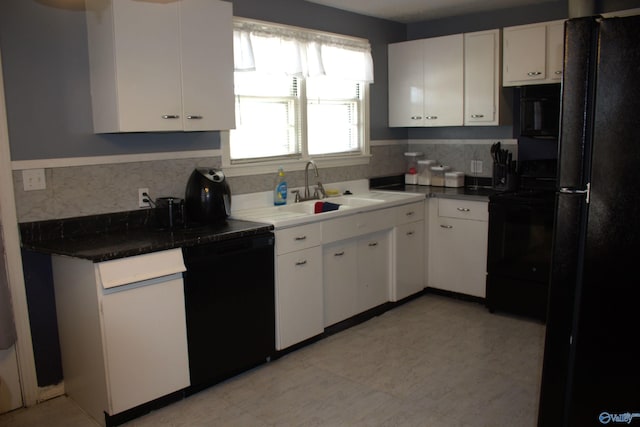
(75,191)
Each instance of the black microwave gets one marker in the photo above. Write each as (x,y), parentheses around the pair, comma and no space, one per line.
(540,110)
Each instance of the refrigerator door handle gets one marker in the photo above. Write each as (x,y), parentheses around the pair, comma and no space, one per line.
(569,190)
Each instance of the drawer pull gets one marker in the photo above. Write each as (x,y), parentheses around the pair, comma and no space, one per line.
(299,238)
(339,253)
(534,73)
(194,117)
(464,209)
(301,262)
(410,233)
(477,116)
(410,213)
(170,116)
(372,244)
(558,72)
(416,117)
(446,226)
(431,117)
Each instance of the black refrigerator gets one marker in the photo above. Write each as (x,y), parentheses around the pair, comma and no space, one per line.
(591,368)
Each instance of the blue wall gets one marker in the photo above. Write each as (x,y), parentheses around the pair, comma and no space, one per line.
(46,74)
(45,62)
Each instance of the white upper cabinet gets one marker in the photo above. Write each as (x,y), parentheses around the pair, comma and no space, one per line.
(482,78)
(426,82)
(406,84)
(533,54)
(555,50)
(161,66)
(444,81)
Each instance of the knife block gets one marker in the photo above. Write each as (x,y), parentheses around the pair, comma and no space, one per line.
(503,178)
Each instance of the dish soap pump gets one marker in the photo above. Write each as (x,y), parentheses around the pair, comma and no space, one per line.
(280,190)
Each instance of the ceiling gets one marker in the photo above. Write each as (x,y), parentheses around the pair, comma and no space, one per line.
(408,11)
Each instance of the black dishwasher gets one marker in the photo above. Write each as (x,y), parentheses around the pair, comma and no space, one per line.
(230,307)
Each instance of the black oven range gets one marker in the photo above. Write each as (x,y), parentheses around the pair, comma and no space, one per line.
(519,245)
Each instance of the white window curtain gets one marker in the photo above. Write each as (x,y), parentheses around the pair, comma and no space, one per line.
(275,49)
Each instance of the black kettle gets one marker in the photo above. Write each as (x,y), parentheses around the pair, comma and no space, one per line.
(207,197)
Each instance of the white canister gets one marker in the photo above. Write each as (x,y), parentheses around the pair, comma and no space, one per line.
(424,171)
(454,179)
(437,175)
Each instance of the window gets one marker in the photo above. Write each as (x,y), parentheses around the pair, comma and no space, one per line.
(300,95)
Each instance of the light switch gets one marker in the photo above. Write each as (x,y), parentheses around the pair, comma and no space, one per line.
(34,179)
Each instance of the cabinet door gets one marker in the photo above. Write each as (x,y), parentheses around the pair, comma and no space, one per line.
(374,270)
(481,77)
(524,54)
(147,60)
(406,83)
(409,241)
(340,281)
(555,50)
(145,346)
(443,81)
(207,65)
(299,296)
(459,256)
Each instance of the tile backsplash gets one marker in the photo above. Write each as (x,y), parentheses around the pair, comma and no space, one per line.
(459,153)
(89,190)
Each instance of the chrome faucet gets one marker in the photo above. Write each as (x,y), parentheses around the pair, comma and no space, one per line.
(319,191)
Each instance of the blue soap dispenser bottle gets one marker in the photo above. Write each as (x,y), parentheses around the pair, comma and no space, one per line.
(280,190)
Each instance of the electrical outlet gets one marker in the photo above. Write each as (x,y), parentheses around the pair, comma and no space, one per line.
(476,166)
(34,179)
(142,199)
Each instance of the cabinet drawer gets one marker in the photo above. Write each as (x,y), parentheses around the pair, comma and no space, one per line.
(410,213)
(357,225)
(296,238)
(133,269)
(454,208)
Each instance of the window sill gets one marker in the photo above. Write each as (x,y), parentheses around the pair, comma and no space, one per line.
(293,165)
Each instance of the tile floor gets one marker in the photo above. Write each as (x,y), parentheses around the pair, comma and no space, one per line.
(435,361)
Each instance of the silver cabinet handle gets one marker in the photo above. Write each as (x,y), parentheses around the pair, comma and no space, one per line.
(300,238)
(339,253)
(464,209)
(410,233)
(416,117)
(301,262)
(477,116)
(431,117)
(534,73)
(170,116)
(446,226)
(194,117)
(558,72)
(371,244)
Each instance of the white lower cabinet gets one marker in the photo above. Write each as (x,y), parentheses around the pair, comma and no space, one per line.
(409,251)
(409,260)
(458,246)
(357,258)
(357,275)
(299,294)
(340,261)
(122,330)
(374,270)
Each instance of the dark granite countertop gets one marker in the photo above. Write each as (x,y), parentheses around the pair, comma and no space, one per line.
(105,237)
(468,193)
(481,192)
